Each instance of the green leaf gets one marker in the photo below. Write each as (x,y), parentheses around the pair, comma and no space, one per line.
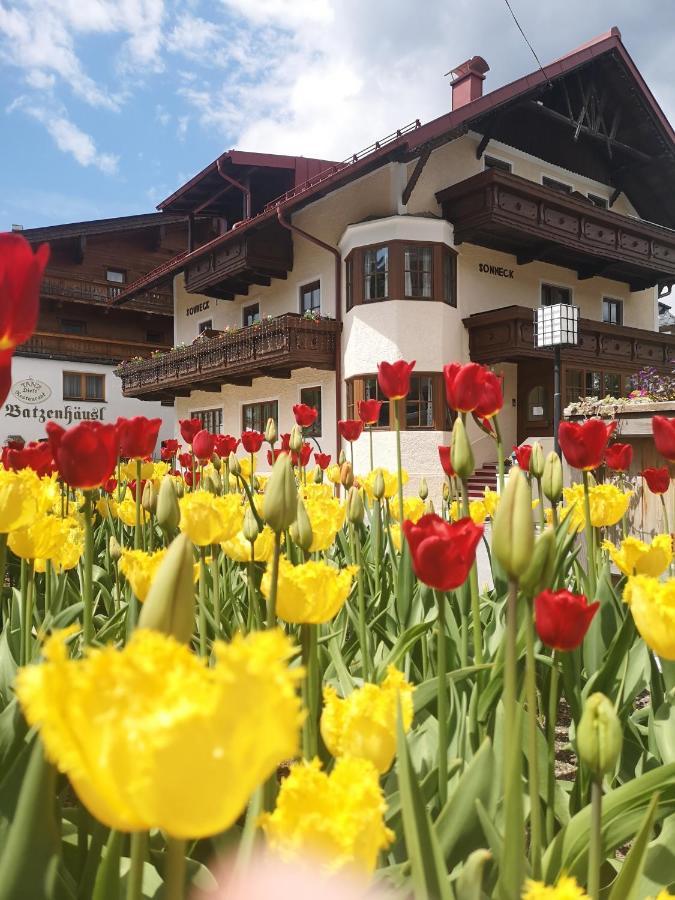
(625,885)
(107,884)
(403,645)
(470,881)
(659,867)
(429,875)
(405,586)
(427,692)
(662,727)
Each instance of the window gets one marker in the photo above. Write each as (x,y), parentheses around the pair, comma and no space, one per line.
(349,283)
(207,324)
(376,274)
(117,276)
(73,326)
(153,337)
(449,277)
(251,314)
(583,383)
(537,403)
(556,185)
(310,298)
(491,162)
(553,293)
(312,397)
(211,419)
(83,386)
(417,271)
(423,408)
(611,384)
(573,386)
(254,416)
(366,388)
(612,311)
(600,202)
(419,404)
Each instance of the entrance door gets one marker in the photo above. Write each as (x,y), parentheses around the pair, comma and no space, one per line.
(535,399)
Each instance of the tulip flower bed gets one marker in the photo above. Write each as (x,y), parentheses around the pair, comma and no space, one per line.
(200,664)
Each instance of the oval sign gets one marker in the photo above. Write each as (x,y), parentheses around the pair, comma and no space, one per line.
(30,390)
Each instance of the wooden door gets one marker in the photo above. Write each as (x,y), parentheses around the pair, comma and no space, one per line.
(535,399)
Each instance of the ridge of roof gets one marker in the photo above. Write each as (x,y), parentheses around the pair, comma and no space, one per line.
(100,226)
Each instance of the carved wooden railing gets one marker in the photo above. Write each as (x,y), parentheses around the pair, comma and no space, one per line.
(49,345)
(275,345)
(102,292)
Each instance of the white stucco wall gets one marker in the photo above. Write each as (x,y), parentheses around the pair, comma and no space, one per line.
(29,407)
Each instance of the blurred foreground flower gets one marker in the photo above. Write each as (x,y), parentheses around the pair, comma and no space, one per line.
(311,593)
(337,819)
(18,499)
(652,604)
(635,557)
(151,737)
(566,889)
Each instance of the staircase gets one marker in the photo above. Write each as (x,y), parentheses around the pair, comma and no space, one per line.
(484,477)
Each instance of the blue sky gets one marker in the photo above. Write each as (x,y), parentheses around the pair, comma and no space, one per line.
(106,106)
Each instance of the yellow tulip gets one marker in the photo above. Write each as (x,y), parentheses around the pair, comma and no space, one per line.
(477,511)
(139,569)
(390,482)
(245,465)
(126,511)
(310,593)
(652,603)
(69,552)
(128,470)
(18,499)
(395,531)
(43,539)
(413,509)
(566,889)
(337,819)
(634,557)
(333,473)
(608,505)
(312,491)
(364,723)
(152,737)
(239,549)
(107,506)
(490,501)
(326,516)
(210,519)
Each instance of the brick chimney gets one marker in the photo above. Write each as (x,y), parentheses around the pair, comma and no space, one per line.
(467,82)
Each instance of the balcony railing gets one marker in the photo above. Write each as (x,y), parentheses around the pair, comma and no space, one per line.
(102,292)
(271,348)
(47,345)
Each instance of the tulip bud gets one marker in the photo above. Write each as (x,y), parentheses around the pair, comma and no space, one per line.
(168,510)
(114,548)
(552,479)
(301,529)
(423,489)
(280,502)
(342,458)
(149,498)
(217,482)
(461,454)
(512,532)
(599,735)
(378,485)
(355,506)
(317,475)
(446,491)
(346,475)
(250,528)
(271,432)
(429,508)
(209,484)
(235,468)
(537,460)
(216,462)
(170,604)
(179,487)
(255,484)
(295,439)
(539,573)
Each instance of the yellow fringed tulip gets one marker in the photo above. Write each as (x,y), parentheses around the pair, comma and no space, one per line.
(152,737)
(477,511)
(70,551)
(607,502)
(107,506)
(395,531)
(333,473)
(128,470)
(313,491)
(311,593)
(566,889)
(239,549)
(44,539)
(326,516)
(652,603)
(364,723)
(126,511)
(413,509)
(139,568)
(18,499)
(490,501)
(336,819)
(634,557)
(208,519)
(390,482)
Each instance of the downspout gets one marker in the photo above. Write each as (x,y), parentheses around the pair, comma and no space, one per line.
(338,311)
(246,191)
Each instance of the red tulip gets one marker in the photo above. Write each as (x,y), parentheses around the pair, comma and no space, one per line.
(664,436)
(303,456)
(252,441)
(226,444)
(584,445)
(20,276)
(472,388)
(305,416)
(138,436)
(394,378)
(166,454)
(189,428)
(132,487)
(187,478)
(36,455)
(203,444)
(444,455)
(285,439)
(85,455)
(350,429)
(658,480)
(442,553)
(369,411)
(562,619)
(185,459)
(170,444)
(491,398)
(274,454)
(322,460)
(110,485)
(619,457)
(523,454)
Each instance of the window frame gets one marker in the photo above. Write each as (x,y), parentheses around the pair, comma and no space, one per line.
(584,372)
(417,247)
(594,198)
(555,184)
(245,310)
(552,284)
(355,392)
(156,339)
(261,403)
(619,306)
(115,281)
(373,248)
(82,322)
(495,162)
(204,325)
(308,288)
(315,430)
(83,386)
(211,418)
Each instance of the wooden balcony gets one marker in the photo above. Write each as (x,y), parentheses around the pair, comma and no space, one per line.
(507,335)
(48,345)
(505,212)
(230,268)
(103,293)
(272,348)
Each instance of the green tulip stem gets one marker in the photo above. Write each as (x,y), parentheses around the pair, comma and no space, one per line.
(370,435)
(500,454)
(540,494)
(363,632)
(226,483)
(666,524)
(595,843)
(441,672)
(533,759)
(88,575)
(174,878)
(138,851)
(551,722)
(272,599)
(399,468)
(3,564)
(554,514)
(203,646)
(311,687)
(376,532)
(215,583)
(473,589)
(28,615)
(137,528)
(590,544)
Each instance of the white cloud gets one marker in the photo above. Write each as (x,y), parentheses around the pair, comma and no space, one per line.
(69,138)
